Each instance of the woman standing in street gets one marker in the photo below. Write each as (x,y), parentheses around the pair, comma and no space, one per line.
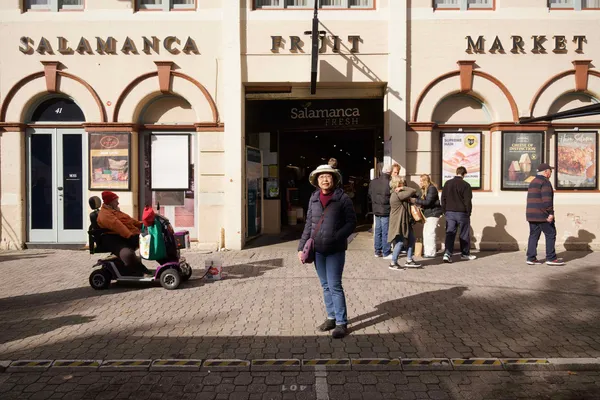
(432,210)
(401,223)
(330,220)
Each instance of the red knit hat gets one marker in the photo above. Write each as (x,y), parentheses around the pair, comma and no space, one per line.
(108,197)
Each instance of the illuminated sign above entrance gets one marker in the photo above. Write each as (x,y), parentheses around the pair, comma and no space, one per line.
(150,45)
(516,44)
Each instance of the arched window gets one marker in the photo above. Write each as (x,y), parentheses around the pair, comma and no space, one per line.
(57,109)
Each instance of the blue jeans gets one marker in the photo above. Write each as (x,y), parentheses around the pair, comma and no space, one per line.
(381,235)
(329,269)
(453,221)
(535,231)
(400,244)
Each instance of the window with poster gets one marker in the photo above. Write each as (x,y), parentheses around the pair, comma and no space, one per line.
(109,161)
(577,160)
(168,165)
(522,153)
(462,149)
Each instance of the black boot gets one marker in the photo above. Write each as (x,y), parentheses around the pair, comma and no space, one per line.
(328,325)
(340,331)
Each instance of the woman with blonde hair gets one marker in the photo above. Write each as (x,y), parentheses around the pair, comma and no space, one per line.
(395,169)
(401,223)
(429,201)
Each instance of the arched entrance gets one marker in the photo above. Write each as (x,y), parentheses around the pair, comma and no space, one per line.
(55,174)
(167,160)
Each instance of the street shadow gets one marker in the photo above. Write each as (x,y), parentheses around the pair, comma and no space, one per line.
(497,238)
(252,269)
(65,296)
(22,256)
(21,329)
(577,247)
(402,307)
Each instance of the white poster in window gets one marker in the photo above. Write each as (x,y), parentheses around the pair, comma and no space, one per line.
(170,162)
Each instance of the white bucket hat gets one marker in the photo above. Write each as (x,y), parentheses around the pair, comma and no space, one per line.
(324,169)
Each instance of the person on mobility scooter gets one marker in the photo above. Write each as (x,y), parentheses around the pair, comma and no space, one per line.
(116,232)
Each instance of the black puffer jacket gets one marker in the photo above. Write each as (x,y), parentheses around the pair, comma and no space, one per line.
(338,225)
(379,195)
(431,203)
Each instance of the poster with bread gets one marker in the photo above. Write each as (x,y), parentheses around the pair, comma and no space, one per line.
(462,150)
(522,152)
(109,161)
(576,159)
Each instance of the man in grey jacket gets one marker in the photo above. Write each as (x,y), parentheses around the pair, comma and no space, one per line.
(379,195)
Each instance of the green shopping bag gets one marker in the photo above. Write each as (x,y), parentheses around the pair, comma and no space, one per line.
(152,244)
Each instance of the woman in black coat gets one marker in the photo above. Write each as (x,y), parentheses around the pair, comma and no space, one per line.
(432,210)
(330,220)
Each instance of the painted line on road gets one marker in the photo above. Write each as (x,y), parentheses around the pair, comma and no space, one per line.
(77,364)
(321,386)
(341,364)
(267,365)
(439,364)
(176,365)
(226,365)
(480,364)
(29,365)
(125,365)
(381,364)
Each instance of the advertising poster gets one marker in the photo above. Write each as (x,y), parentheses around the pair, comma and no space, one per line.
(109,161)
(254,185)
(522,153)
(576,160)
(462,150)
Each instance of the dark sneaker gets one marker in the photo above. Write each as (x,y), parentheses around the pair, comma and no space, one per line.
(412,264)
(340,331)
(555,263)
(396,267)
(535,261)
(328,325)
(447,259)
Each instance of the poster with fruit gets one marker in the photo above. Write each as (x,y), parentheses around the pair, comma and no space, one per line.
(522,152)
(109,161)
(462,150)
(576,160)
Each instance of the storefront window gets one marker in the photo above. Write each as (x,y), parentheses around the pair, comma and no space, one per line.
(54,5)
(463,4)
(560,3)
(166,5)
(310,3)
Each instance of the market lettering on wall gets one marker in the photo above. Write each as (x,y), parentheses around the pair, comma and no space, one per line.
(539,44)
(296,45)
(109,45)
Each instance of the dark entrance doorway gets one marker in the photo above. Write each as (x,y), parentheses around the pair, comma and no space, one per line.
(296,136)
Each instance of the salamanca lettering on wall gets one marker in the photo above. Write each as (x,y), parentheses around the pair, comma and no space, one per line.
(109,45)
(306,113)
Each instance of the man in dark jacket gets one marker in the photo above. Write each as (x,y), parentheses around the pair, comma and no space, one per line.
(456,204)
(540,215)
(379,195)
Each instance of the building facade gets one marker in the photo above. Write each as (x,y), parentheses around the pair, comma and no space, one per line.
(204,109)
(474,72)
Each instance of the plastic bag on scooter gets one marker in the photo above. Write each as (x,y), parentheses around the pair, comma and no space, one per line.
(152,244)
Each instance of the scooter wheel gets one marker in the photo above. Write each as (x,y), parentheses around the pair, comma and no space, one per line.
(170,279)
(99,279)
(187,274)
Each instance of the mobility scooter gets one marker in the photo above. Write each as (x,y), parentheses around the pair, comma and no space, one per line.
(170,272)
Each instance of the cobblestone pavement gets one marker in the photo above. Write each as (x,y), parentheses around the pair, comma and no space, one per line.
(349,385)
(268,306)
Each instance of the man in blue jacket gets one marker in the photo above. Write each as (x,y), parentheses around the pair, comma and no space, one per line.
(540,215)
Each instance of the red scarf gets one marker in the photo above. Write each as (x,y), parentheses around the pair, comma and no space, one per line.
(325,198)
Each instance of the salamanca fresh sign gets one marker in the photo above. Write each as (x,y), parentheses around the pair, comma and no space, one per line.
(331,116)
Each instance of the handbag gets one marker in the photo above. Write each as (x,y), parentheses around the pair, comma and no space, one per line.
(417,213)
(152,243)
(308,251)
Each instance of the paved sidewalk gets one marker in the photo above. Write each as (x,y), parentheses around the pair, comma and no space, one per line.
(268,306)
